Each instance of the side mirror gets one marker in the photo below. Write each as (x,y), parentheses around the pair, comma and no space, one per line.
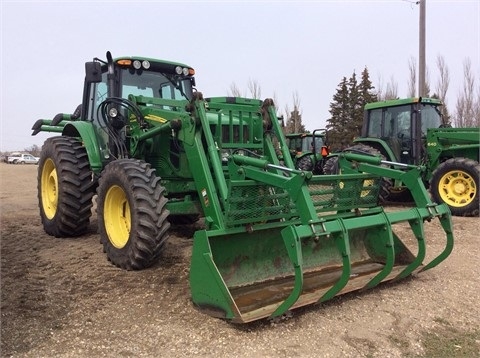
(93,72)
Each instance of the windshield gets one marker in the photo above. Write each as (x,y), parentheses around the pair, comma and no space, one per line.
(155,84)
(431,117)
(397,122)
(305,144)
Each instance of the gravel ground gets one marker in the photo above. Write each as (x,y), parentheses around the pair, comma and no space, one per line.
(62,298)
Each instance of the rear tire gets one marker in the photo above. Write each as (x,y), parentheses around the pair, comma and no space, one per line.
(65,187)
(132,214)
(455,182)
(331,166)
(305,163)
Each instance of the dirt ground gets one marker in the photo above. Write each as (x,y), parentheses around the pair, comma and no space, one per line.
(62,298)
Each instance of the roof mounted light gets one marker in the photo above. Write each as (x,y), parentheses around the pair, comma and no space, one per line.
(186,71)
(137,64)
(124,62)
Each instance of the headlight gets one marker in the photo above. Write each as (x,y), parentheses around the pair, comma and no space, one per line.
(146,64)
(137,64)
(112,112)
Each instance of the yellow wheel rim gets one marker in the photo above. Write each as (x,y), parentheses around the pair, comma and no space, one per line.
(116,216)
(49,189)
(457,188)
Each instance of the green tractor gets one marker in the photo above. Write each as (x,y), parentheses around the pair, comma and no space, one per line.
(309,150)
(412,131)
(275,238)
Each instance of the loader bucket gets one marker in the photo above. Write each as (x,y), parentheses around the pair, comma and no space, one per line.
(264,268)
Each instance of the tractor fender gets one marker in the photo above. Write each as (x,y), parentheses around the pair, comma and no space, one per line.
(380,145)
(86,131)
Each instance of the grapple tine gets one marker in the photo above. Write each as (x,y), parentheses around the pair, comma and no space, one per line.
(387,236)
(446,222)
(419,232)
(294,248)
(343,245)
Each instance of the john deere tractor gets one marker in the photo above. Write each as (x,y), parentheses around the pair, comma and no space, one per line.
(412,131)
(309,150)
(275,238)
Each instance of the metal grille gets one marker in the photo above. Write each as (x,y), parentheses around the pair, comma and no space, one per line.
(341,193)
(250,202)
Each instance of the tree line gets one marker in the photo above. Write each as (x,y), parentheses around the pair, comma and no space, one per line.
(346,107)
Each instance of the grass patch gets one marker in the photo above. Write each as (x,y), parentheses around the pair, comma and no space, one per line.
(400,342)
(447,341)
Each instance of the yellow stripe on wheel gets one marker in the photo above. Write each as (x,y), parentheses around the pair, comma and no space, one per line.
(49,189)
(117,216)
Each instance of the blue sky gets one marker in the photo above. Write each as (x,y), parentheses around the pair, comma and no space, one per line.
(287,47)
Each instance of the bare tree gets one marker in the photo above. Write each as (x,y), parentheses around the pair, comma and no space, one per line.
(442,85)
(465,112)
(476,109)
(379,88)
(294,117)
(444,78)
(427,88)
(412,79)
(390,92)
(254,88)
(34,150)
(234,90)
(275,101)
(392,89)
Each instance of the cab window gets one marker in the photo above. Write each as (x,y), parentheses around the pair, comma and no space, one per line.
(375,123)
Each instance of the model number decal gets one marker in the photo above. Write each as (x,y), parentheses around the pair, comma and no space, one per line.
(432,144)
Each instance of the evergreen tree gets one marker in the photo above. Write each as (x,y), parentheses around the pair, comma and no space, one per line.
(294,118)
(366,95)
(355,108)
(346,110)
(339,111)
(294,122)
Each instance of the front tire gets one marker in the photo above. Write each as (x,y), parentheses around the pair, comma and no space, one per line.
(455,182)
(305,163)
(65,187)
(132,214)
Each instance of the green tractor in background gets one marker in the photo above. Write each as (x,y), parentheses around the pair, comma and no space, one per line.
(275,238)
(309,150)
(412,131)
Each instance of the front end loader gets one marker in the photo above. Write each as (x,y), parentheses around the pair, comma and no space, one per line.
(275,238)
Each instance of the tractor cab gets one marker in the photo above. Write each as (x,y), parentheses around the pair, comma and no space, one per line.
(309,150)
(398,128)
(113,90)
